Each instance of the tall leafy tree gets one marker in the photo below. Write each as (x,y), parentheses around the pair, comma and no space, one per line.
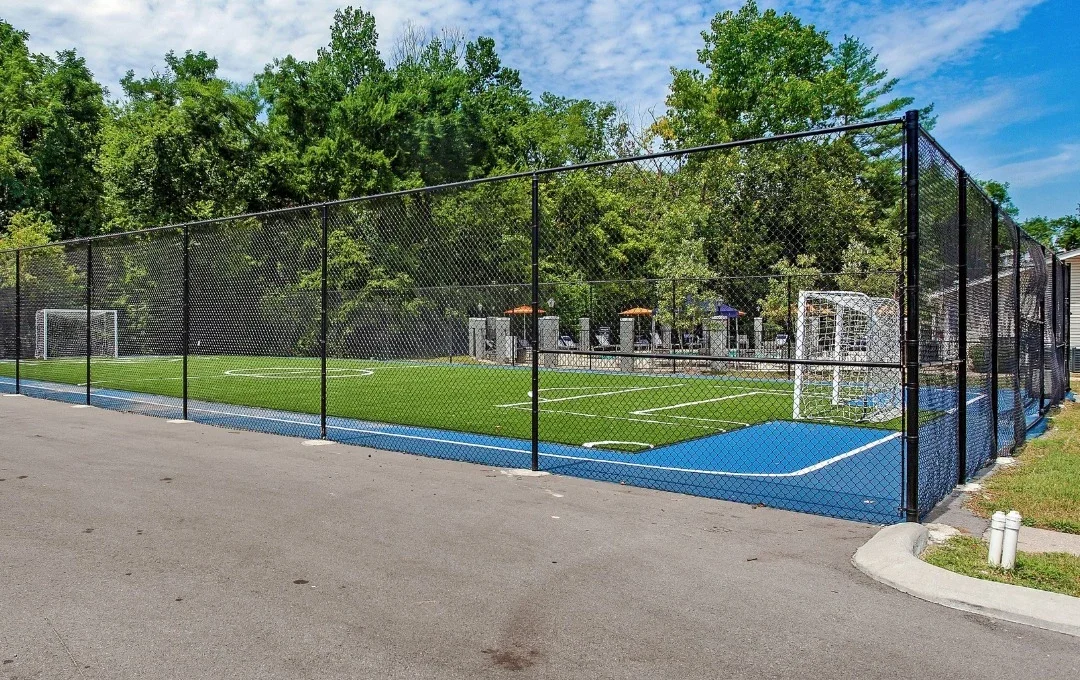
(769,73)
(51,115)
(184,144)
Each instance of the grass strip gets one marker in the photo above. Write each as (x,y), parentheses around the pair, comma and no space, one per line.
(1055,572)
(1044,485)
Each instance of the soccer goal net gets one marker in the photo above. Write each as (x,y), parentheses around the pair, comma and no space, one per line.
(63,333)
(852,328)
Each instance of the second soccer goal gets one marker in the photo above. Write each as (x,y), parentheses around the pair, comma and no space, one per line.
(65,333)
(852,334)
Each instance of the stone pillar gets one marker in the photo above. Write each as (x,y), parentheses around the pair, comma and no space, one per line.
(549,339)
(584,334)
(718,337)
(477,337)
(504,342)
(626,342)
(665,336)
(757,336)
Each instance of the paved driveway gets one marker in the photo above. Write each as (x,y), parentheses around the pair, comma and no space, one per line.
(135,548)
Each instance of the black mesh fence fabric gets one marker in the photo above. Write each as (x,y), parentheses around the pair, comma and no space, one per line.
(939,338)
(980,281)
(720,386)
(254,322)
(1011,421)
(429,322)
(52,322)
(138,284)
(1033,285)
(728,322)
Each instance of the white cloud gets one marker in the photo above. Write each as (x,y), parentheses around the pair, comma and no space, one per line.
(990,106)
(919,37)
(602,49)
(1063,161)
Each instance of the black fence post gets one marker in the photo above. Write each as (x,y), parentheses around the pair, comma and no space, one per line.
(1054,349)
(89,306)
(790,331)
(911,355)
(1042,337)
(995,255)
(535,323)
(1066,315)
(324,317)
(671,335)
(961,322)
(18,321)
(1019,421)
(185,335)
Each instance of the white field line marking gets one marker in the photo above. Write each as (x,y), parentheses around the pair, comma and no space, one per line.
(577,389)
(292,372)
(621,418)
(721,473)
(711,420)
(646,411)
(643,445)
(559,456)
(971,401)
(594,394)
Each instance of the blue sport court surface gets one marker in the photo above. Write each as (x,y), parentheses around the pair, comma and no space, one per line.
(838,470)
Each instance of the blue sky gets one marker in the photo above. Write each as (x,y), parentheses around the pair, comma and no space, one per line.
(1003,74)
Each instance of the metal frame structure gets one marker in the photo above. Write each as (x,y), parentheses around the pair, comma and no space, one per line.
(912,367)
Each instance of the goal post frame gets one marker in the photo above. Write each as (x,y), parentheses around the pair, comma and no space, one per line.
(78,315)
(846,390)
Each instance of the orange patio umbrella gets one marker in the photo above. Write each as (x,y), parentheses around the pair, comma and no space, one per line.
(636,311)
(523,309)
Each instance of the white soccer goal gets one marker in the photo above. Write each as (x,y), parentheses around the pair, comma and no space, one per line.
(845,326)
(62,333)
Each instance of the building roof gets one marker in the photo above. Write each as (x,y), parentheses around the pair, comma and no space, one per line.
(1069,255)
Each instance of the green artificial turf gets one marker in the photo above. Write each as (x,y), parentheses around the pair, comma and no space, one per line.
(576,407)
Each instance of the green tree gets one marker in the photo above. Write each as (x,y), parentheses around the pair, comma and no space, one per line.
(1060,233)
(769,73)
(1068,231)
(999,193)
(183,145)
(51,114)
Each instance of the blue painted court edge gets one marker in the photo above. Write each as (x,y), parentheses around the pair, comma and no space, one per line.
(842,471)
(848,472)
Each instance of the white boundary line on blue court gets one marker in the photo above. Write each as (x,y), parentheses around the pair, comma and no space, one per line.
(560,456)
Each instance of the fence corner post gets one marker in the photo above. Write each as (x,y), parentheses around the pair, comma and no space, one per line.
(962,327)
(89,307)
(911,353)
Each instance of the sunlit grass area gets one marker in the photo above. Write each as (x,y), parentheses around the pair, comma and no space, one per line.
(1056,572)
(1044,485)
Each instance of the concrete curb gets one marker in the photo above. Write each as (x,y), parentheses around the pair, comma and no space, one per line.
(892,557)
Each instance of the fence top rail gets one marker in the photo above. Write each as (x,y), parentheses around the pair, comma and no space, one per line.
(853,127)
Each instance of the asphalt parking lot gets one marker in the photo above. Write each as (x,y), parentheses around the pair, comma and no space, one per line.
(131,547)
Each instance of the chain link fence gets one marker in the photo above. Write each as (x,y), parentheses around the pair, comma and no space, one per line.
(838,322)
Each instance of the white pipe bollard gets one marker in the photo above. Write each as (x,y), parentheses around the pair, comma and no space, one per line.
(1012,535)
(997,536)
